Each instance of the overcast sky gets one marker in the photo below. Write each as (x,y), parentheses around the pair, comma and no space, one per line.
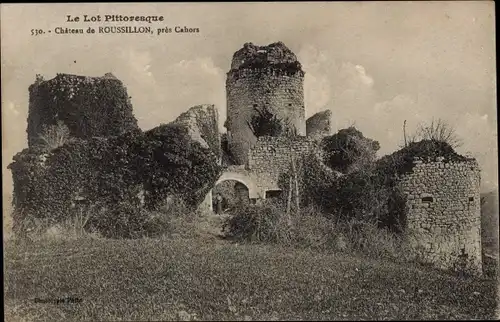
(373,64)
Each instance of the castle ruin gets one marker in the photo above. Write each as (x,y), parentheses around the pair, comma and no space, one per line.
(442,196)
(443,202)
(268,78)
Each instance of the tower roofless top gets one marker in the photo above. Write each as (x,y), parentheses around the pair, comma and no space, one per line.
(275,55)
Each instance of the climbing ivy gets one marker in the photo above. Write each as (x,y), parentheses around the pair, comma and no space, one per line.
(109,171)
(89,106)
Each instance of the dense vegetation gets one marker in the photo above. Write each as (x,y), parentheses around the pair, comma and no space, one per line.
(347,182)
(109,175)
(349,150)
(89,106)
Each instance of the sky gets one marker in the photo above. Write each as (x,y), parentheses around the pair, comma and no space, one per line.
(373,64)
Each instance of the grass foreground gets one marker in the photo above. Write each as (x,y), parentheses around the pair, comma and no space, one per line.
(192,279)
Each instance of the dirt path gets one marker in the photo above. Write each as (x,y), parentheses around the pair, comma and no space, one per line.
(210,226)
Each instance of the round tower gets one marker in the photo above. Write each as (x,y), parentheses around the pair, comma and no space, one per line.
(444,211)
(263,79)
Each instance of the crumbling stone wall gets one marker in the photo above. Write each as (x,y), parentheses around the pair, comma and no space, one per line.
(88,106)
(262,77)
(444,216)
(319,125)
(202,123)
(271,157)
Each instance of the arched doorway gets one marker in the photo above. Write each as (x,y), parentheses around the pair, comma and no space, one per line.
(229,194)
(243,177)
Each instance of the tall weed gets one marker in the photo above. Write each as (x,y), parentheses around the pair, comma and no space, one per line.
(266,222)
(309,228)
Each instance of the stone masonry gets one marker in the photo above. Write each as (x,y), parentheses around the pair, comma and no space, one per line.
(271,157)
(202,124)
(444,216)
(319,125)
(262,77)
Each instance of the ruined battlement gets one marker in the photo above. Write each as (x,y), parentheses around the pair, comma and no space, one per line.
(202,124)
(265,71)
(276,55)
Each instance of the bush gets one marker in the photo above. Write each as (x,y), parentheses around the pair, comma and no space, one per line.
(266,222)
(348,150)
(438,131)
(171,163)
(313,230)
(315,182)
(392,166)
(265,123)
(123,220)
(47,185)
(168,218)
(368,238)
(309,228)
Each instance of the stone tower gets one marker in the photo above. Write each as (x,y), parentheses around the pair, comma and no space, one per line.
(263,78)
(444,212)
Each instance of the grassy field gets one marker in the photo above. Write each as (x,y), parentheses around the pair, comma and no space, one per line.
(216,280)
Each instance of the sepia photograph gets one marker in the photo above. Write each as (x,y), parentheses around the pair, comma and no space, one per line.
(250,161)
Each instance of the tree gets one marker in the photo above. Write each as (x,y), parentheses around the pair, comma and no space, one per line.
(439,131)
(265,123)
(53,136)
(348,150)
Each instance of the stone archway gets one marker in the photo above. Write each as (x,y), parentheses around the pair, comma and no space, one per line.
(229,194)
(240,176)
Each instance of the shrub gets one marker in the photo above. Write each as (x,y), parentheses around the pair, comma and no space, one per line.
(370,192)
(171,163)
(46,186)
(265,123)
(368,238)
(309,228)
(438,131)
(400,162)
(266,222)
(313,230)
(348,150)
(315,182)
(167,218)
(123,220)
